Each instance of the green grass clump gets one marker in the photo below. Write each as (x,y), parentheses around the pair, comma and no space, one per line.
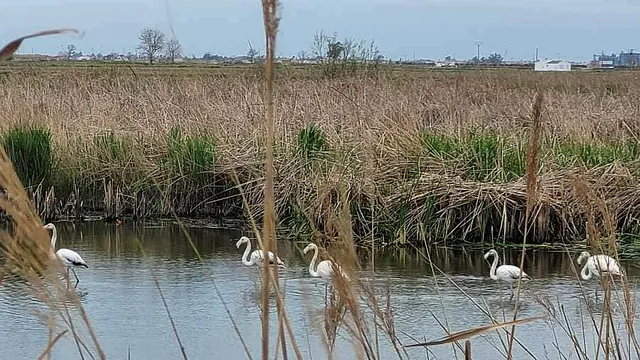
(109,147)
(30,150)
(190,156)
(514,159)
(483,154)
(592,154)
(311,141)
(441,146)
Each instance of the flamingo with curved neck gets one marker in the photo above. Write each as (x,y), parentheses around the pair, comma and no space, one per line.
(256,256)
(324,269)
(506,273)
(597,264)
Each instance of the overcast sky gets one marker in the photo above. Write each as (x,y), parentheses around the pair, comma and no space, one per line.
(571,29)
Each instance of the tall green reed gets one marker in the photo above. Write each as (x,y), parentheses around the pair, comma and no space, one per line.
(30,151)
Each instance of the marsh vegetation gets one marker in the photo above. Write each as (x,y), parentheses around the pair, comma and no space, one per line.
(433,155)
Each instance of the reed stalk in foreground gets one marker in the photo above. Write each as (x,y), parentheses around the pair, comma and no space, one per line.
(269,244)
(532,190)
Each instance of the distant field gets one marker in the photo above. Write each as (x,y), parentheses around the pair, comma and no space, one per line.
(435,154)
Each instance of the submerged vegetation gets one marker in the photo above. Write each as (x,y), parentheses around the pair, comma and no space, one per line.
(442,151)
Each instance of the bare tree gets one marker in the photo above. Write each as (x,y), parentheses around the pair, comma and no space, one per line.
(151,42)
(173,49)
(252,53)
(302,55)
(320,44)
(71,50)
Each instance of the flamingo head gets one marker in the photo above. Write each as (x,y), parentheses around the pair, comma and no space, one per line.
(242,240)
(583,255)
(49,226)
(309,247)
(491,252)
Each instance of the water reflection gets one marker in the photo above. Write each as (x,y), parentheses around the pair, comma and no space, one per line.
(127,313)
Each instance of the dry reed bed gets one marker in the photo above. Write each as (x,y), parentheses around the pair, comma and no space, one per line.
(399,144)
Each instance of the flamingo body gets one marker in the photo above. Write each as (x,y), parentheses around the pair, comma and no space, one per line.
(324,269)
(505,273)
(69,258)
(597,265)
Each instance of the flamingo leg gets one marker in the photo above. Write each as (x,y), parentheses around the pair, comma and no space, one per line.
(512,294)
(76,275)
(326,287)
(66,278)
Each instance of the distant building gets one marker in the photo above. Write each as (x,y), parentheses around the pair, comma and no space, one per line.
(552,65)
(604,61)
(624,60)
(629,59)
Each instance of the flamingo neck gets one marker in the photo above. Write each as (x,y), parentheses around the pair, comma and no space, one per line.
(492,273)
(586,272)
(247,250)
(313,272)
(54,237)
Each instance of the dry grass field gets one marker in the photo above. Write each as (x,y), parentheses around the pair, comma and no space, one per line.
(422,154)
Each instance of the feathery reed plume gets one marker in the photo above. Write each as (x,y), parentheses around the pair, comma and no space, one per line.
(532,187)
(270,18)
(533,147)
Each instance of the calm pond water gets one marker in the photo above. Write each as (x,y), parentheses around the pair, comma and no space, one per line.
(127,313)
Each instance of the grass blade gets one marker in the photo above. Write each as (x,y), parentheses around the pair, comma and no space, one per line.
(465,334)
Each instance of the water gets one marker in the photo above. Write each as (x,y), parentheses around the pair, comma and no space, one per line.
(128,315)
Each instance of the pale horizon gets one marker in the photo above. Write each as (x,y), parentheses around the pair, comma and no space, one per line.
(567,29)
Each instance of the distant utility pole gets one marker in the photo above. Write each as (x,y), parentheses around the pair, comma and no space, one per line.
(478,44)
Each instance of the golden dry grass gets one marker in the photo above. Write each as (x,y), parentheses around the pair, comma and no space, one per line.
(419,148)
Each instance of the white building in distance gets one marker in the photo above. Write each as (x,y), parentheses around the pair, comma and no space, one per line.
(552,65)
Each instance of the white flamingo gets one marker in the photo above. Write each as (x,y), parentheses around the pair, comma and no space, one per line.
(506,273)
(70,259)
(598,264)
(324,269)
(257,256)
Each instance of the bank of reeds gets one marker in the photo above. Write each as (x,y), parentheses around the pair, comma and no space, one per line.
(420,150)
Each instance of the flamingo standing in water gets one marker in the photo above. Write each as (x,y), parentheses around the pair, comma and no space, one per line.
(70,259)
(324,269)
(506,273)
(257,256)
(598,264)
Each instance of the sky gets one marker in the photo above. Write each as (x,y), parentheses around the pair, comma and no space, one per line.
(407,29)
